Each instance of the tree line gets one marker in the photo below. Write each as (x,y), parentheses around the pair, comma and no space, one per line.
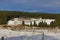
(7,15)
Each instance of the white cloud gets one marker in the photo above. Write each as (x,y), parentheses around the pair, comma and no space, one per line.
(35,3)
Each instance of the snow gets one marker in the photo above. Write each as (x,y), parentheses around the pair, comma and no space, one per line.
(27,35)
(10,22)
(48,21)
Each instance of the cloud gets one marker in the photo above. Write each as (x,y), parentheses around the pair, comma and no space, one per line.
(31,5)
(37,2)
(46,3)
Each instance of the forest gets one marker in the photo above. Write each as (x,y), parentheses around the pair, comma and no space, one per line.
(7,15)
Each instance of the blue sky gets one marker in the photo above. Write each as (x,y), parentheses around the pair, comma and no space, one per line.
(48,6)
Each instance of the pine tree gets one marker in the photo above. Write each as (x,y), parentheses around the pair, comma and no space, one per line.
(23,23)
(41,24)
(35,24)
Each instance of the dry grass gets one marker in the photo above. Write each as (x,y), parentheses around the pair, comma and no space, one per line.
(21,27)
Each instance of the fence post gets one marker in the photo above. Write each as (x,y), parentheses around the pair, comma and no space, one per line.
(2,38)
(43,36)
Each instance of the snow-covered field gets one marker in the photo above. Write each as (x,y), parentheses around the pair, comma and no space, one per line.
(24,35)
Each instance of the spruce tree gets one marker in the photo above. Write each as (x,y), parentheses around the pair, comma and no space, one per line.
(23,23)
(35,24)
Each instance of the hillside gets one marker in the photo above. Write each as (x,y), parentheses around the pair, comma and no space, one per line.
(7,15)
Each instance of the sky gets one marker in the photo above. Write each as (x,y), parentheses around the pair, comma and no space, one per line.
(46,6)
